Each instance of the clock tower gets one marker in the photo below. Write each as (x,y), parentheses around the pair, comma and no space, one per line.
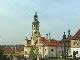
(35,28)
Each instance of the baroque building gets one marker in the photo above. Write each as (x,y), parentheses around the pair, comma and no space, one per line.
(47,47)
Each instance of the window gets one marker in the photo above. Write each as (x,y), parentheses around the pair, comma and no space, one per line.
(37,27)
(77,44)
(25,52)
(52,49)
(45,49)
(34,25)
(74,43)
(76,52)
(60,52)
(61,47)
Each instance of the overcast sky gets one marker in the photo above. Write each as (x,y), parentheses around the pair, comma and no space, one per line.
(55,16)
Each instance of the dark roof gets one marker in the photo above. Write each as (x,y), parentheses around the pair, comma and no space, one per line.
(35,22)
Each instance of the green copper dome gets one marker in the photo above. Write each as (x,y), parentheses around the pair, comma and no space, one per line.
(35,22)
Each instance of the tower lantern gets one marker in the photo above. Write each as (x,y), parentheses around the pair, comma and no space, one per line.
(35,16)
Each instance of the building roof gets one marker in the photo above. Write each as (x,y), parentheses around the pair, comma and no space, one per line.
(55,44)
(70,38)
(52,43)
(35,22)
(77,35)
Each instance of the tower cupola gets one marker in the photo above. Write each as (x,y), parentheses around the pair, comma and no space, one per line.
(35,22)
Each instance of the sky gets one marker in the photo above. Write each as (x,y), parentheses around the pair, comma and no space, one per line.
(55,16)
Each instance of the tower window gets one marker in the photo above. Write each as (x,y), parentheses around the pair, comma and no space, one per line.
(35,32)
(34,25)
(37,27)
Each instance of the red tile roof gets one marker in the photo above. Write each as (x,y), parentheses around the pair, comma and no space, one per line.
(77,35)
(70,38)
(52,43)
(55,44)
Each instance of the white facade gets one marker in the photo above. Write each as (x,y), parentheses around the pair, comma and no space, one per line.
(76,50)
(50,51)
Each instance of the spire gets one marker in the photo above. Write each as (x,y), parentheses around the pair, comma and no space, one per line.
(35,22)
(35,16)
(36,13)
(49,36)
(64,36)
(68,32)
